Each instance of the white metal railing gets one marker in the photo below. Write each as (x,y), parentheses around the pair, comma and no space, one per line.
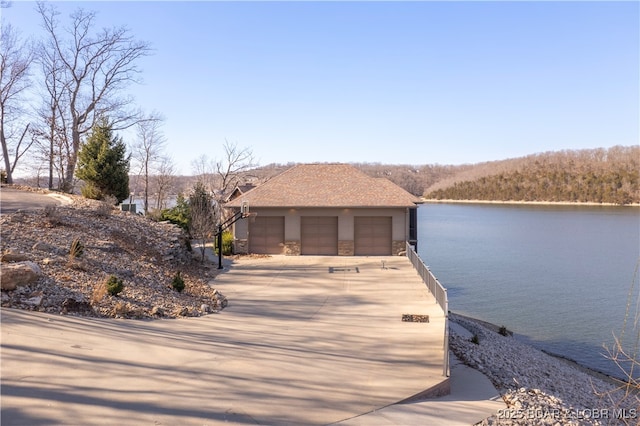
(440,294)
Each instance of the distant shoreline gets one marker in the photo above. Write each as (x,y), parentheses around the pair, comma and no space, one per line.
(534,203)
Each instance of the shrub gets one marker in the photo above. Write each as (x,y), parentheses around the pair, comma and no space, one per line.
(114,285)
(77,249)
(227,243)
(110,200)
(105,206)
(154,214)
(475,339)
(179,215)
(89,190)
(177,283)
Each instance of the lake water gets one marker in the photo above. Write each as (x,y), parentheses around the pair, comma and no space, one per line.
(558,276)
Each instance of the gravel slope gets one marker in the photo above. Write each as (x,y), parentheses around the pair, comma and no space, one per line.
(146,255)
(538,388)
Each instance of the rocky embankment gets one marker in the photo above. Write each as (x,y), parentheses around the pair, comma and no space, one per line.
(40,273)
(538,388)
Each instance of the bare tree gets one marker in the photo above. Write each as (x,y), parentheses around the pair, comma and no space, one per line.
(220,177)
(37,167)
(204,170)
(231,168)
(625,353)
(53,134)
(147,151)
(16,58)
(96,69)
(164,180)
(203,220)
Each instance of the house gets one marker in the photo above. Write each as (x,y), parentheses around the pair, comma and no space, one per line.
(239,190)
(326,209)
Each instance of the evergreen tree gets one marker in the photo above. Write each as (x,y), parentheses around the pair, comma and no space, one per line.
(104,165)
(180,214)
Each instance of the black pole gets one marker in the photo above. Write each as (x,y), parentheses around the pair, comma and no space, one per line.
(220,246)
(225,225)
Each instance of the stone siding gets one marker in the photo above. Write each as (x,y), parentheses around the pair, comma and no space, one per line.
(345,248)
(292,248)
(398,247)
(241,246)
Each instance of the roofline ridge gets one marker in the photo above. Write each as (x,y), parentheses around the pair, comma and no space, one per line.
(351,171)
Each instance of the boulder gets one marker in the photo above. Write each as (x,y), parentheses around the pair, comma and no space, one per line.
(181,311)
(71,305)
(17,274)
(157,311)
(221,300)
(35,299)
(11,256)
(46,247)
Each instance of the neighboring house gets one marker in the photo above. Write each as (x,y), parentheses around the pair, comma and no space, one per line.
(239,190)
(326,209)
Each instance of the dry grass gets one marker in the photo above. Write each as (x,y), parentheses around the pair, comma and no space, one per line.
(99,292)
(76,249)
(105,207)
(121,309)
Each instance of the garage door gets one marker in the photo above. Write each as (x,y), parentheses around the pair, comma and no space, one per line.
(372,236)
(319,235)
(266,235)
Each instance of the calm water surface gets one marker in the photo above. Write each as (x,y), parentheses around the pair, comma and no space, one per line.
(558,276)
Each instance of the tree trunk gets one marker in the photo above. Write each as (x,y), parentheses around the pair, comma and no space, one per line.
(67,180)
(146,187)
(72,159)
(52,135)
(5,154)
(51,165)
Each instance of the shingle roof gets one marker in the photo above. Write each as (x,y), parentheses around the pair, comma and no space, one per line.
(326,185)
(239,190)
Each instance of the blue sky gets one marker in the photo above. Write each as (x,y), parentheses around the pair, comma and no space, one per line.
(388,82)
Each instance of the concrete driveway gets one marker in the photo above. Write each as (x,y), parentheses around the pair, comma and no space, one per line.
(12,199)
(304,340)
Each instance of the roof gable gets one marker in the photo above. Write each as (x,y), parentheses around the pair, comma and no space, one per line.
(239,190)
(326,185)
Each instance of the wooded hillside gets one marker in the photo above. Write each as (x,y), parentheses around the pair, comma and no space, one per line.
(593,175)
(590,175)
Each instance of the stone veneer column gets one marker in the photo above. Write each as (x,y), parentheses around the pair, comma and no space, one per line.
(398,247)
(292,248)
(241,247)
(345,248)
